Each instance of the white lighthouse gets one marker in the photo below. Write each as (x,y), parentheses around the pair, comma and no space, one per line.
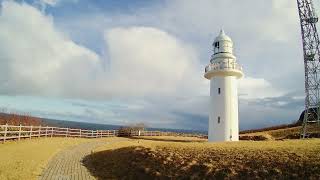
(223,72)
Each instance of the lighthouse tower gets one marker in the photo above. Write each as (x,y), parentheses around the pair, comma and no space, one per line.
(223,72)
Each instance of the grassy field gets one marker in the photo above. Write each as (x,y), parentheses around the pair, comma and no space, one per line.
(171,138)
(280,134)
(25,159)
(165,158)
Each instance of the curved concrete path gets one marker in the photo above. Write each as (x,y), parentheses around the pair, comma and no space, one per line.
(67,164)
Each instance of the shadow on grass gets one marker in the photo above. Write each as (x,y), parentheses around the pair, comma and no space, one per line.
(140,163)
(137,162)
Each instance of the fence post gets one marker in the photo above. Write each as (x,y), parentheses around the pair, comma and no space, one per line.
(91,133)
(51,132)
(30,134)
(47,131)
(19,132)
(39,134)
(5,132)
(67,132)
(80,132)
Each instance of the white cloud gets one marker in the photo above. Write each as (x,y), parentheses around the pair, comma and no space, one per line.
(49,2)
(43,4)
(257,88)
(266,38)
(146,60)
(54,2)
(38,59)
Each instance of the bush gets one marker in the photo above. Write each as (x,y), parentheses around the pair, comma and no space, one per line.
(17,119)
(131,130)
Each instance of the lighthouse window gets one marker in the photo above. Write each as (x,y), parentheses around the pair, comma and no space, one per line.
(216,44)
(219,90)
(218,119)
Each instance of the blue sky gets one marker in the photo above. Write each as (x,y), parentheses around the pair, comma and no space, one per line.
(124,62)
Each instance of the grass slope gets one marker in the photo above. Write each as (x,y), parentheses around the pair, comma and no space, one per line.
(281,133)
(154,159)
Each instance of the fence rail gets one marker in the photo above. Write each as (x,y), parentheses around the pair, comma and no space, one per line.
(11,132)
(142,133)
(8,132)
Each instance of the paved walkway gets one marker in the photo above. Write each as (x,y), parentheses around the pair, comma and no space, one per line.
(67,165)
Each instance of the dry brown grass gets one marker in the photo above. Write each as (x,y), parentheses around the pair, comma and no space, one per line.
(170,138)
(17,119)
(283,126)
(149,159)
(279,134)
(25,159)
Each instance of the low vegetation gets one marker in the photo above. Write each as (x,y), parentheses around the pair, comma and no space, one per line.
(283,126)
(168,158)
(25,159)
(170,138)
(280,133)
(17,119)
(128,131)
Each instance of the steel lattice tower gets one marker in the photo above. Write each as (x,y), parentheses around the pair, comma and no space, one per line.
(311,53)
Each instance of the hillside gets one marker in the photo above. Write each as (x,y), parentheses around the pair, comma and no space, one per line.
(17,119)
(282,126)
(175,159)
(27,120)
(279,133)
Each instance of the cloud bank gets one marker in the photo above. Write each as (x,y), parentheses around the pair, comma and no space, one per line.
(153,60)
(41,60)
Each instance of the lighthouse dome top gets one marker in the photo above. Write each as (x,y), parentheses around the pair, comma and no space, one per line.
(222,37)
(222,44)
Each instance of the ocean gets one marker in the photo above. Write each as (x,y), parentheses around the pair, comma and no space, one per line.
(94,126)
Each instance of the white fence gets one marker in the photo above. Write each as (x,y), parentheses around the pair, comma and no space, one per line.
(145,133)
(8,132)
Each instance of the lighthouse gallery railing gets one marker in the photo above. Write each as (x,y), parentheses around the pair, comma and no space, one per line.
(223,66)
